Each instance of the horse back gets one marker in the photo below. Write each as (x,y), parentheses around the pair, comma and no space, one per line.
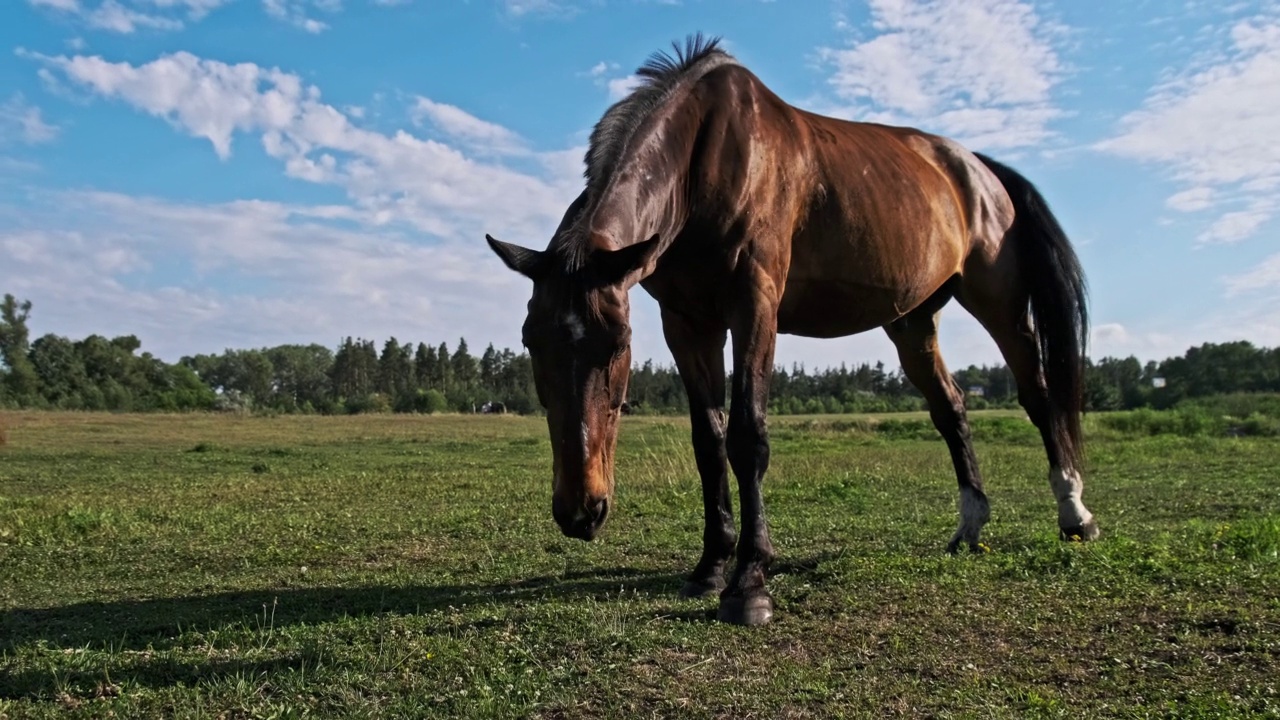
(897,213)
(859,223)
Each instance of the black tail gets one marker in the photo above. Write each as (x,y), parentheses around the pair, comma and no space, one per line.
(1059,305)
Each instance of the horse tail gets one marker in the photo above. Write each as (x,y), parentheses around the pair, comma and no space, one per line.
(1058,303)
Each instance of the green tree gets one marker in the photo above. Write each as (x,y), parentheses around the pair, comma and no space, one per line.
(301,376)
(63,380)
(463,365)
(424,366)
(395,370)
(443,380)
(20,380)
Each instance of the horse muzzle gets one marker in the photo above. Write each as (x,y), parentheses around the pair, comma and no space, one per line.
(582,521)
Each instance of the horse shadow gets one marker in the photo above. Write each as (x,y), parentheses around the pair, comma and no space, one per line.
(156,623)
(140,627)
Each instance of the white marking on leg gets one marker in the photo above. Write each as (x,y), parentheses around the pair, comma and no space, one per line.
(576,329)
(1067,489)
(974,513)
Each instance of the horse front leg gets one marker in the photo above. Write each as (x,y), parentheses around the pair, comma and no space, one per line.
(746,601)
(698,350)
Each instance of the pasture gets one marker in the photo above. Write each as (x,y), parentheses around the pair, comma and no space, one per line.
(405,566)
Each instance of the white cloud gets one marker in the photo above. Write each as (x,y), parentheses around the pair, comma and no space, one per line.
(394,178)
(1191,200)
(518,8)
(616,87)
(1113,339)
(1265,276)
(459,124)
(129,16)
(1108,333)
(304,277)
(981,71)
(621,87)
(208,99)
(63,5)
(1236,226)
(1213,126)
(295,12)
(20,119)
(113,16)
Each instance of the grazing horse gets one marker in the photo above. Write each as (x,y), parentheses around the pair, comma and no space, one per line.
(746,217)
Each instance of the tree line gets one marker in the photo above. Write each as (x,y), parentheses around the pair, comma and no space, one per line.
(97,373)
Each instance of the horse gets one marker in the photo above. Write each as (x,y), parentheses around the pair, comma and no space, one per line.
(746,217)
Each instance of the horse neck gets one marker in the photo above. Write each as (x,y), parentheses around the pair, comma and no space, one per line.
(646,195)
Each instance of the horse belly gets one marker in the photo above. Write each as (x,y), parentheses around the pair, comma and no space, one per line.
(827,308)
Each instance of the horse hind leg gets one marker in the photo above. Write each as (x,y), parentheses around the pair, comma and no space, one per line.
(916,338)
(1031,297)
(1017,342)
(1011,327)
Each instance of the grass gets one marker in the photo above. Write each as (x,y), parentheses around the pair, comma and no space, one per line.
(399,566)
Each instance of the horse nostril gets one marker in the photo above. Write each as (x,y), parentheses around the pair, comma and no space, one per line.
(599,510)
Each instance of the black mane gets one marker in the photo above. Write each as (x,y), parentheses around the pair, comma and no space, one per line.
(659,75)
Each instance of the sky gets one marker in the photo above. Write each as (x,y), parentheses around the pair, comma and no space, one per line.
(212,174)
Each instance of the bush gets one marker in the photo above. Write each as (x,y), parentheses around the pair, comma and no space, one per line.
(428,402)
(371,403)
(1190,420)
(1237,405)
(1184,423)
(232,401)
(1258,425)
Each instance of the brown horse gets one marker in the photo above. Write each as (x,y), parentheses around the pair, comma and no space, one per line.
(747,217)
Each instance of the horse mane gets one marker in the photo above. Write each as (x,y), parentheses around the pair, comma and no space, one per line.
(660,76)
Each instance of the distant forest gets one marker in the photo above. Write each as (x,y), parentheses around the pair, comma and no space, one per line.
(97,373)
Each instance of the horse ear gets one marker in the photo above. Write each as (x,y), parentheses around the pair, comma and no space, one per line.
(611,266)
(529,263)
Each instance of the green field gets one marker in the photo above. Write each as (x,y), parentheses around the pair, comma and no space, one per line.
(404,566)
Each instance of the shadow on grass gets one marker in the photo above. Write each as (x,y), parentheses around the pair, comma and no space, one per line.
(158,623)
(136,627)
(70,687)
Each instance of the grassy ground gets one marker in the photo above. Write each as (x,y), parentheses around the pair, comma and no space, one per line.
(201,566)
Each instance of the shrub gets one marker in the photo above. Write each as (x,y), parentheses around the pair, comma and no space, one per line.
(232,401)
(1188,421)
(1237,405)
(428,402)
(371,403)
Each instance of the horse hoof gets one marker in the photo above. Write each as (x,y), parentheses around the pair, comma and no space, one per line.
(1080,533)
(975,547)
(700,588)
(751,610)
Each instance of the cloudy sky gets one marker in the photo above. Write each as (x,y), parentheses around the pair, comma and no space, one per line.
(240,173)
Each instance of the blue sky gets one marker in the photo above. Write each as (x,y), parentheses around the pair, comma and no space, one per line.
(240,173)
